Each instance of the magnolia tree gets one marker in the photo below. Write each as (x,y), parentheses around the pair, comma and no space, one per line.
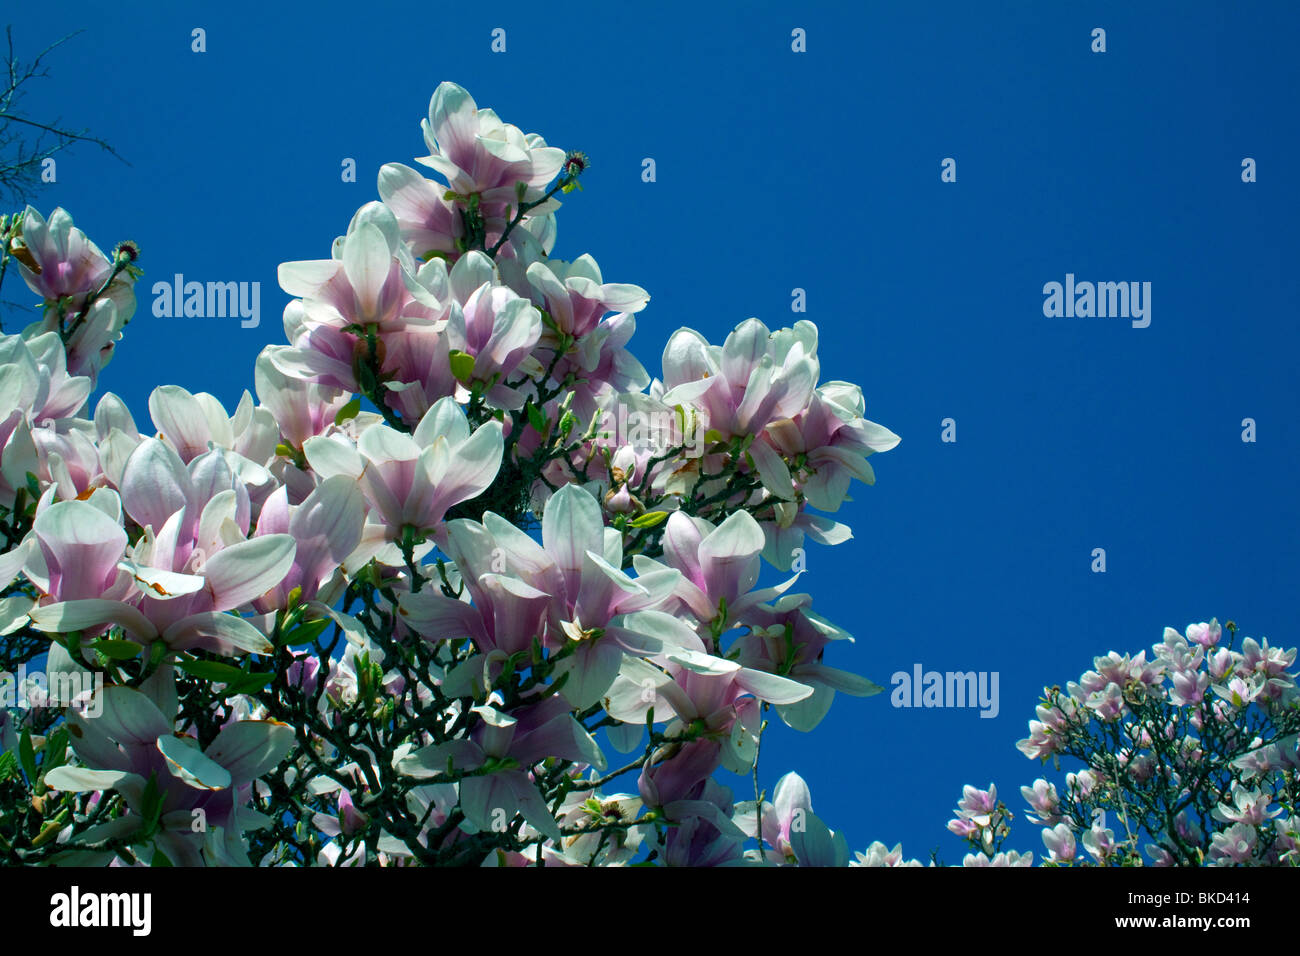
(463,585)
(1189,758)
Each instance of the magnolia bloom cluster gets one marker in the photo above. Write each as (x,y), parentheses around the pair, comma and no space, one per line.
(422,627)
(1207,738)
(86,297)
(1203,734)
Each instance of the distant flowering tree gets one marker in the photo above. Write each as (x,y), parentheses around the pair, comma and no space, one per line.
(1189,758)
(408,632)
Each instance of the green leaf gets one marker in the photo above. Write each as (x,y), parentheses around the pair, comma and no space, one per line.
(305,633)
(118,650)
(27,755)
(462,365)
(650,519)
(8,766)
(151,803)
(56,750)
(250,683)
(236,680)
(348,411)
(160,858)
(211,670)
(535,417)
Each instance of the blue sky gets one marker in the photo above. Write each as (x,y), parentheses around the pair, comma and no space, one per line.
(819,170)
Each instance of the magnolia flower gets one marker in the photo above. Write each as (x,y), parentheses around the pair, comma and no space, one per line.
(477,153)
(1043,800)
(301,409)
(531,733)
(701,831)
(576,297)
(788,637)
(58,260)
(1060,844)
(756,377)
(719,568)
(818,845)
(788,813)
(567,590)
(1247,806)
(81,547)
(327,527)
(131,741)
(880,855)
(1234,846)
(373,282)
(195,566)
(978,806)
(411,480)
(1207,635)
(428,221)
(493,326)
(1099,841)
(59,263)
(1239,691)
(1010,858)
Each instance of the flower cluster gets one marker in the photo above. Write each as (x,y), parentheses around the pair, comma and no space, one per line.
(397,606)
(1190,757)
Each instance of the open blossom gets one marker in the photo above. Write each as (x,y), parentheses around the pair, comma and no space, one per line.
(1043,800)
(373,282)
(1206,635)
(1239,691)
(60,261)
(477,153)
(1246,806)
(998,860)
(192,563)
(132,742)
(789,810)
(493,326)
(1099,841)
(751,380)
(411,480)
(1234,846)
(879,855)
(1060,844)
